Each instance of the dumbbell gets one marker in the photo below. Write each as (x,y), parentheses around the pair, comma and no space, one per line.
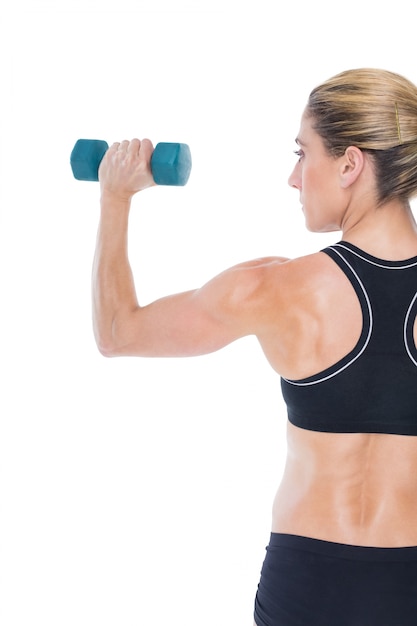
(170,162)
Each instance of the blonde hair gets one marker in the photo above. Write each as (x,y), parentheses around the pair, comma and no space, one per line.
(376,111)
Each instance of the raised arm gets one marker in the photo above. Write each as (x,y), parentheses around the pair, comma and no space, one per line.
(231,305)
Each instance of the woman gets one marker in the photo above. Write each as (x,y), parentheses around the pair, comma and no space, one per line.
(339,326)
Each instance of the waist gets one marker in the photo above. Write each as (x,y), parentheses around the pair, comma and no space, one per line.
(320,517)
(388,533)
(342,550)
(349,488)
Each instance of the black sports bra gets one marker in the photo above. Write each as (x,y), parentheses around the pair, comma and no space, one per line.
(373,389)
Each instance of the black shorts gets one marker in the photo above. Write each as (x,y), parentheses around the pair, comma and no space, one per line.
(310,582)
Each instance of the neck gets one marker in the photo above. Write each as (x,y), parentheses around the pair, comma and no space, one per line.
(388,231)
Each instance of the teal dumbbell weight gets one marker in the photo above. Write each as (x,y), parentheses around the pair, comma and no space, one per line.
(170,162)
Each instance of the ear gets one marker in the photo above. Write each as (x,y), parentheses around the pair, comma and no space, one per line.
(352,165)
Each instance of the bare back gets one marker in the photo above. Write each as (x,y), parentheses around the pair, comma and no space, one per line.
(348,488)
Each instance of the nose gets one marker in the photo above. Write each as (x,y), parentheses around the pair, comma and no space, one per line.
(294,179)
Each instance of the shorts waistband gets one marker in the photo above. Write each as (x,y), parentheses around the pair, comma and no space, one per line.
(342,550)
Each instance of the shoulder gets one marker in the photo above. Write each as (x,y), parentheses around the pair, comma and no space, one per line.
(276,273)
(272,287)
(249,282)
(297,275)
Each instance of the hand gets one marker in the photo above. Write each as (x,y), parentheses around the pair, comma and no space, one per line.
(126,168)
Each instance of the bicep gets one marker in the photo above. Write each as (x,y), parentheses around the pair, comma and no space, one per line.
(195,322)
(174,326)
(180,325)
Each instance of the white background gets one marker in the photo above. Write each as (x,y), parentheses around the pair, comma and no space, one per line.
(138,491)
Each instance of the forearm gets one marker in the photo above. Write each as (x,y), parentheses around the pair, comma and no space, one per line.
(113,289)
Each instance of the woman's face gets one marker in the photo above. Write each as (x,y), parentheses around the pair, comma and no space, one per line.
(317,177)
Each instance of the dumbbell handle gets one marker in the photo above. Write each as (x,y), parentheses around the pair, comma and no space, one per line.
(170,162)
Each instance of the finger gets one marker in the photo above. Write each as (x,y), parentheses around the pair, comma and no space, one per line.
(146,148)
(134,146)
(123,146)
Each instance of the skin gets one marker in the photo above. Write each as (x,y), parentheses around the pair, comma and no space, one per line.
(350,488)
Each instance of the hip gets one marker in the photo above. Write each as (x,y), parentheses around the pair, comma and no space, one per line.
(312,582)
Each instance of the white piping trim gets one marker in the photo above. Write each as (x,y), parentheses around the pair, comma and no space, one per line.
(320,380)
(387,267)
(407,347)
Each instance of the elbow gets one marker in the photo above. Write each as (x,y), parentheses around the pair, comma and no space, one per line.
(106,349)
(107,339)
(115,339)
(106,345)
(111,346)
